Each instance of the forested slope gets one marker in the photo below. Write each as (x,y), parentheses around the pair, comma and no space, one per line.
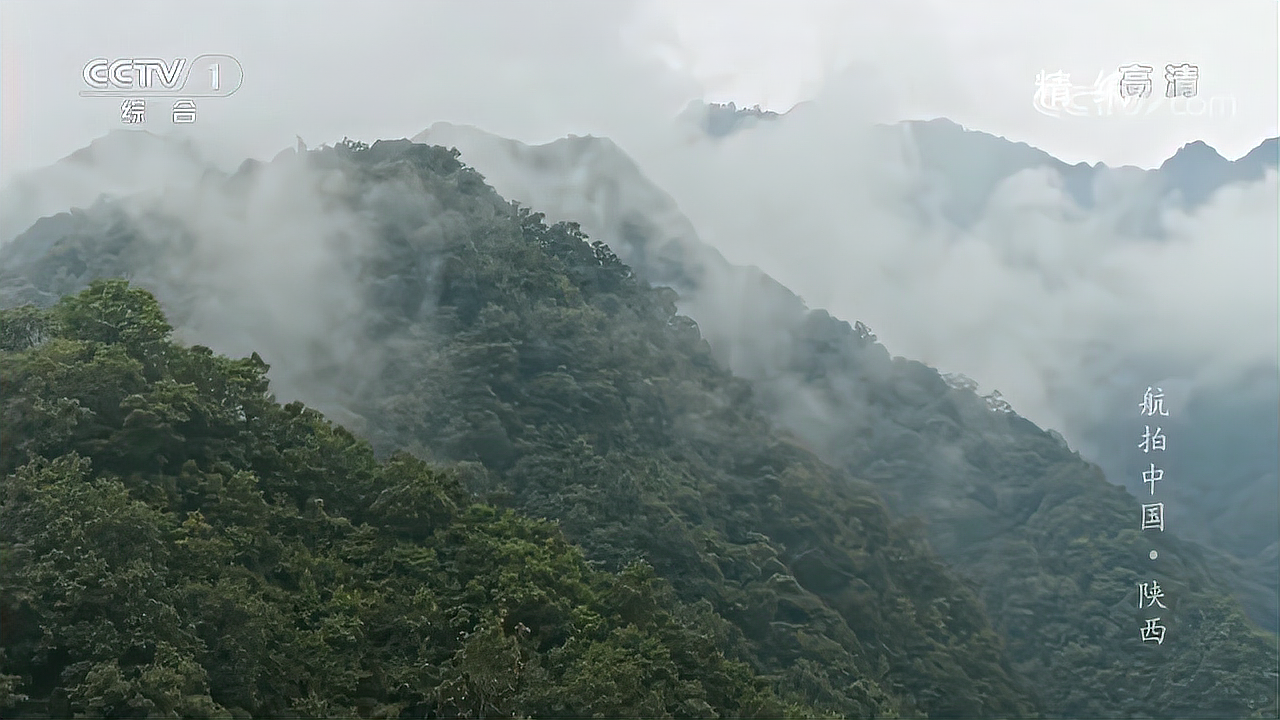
(533,371)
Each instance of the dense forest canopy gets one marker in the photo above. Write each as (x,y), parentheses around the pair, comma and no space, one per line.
(177,542)
(561,505)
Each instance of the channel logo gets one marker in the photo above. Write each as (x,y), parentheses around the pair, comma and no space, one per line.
(205,76)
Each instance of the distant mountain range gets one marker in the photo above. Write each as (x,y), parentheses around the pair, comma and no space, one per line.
(1229,500)
(1194,171)
(120,163)
(1047,543)
(969,164)
(973,162)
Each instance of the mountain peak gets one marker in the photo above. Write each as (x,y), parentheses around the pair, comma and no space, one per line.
(1195,152)
(721,119)
(1267,153)
(121,142)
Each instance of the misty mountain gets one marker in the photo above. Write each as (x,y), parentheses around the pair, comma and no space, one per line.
(1197,170)
(199,550)
(404,292)
(573,391)
(977,161)
(120,163)
(1224,496)
(967,165)
(720,119)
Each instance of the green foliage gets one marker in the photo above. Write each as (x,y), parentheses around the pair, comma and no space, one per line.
(113,313)
(587,400)
(23,327)
(1055,552)
(619,529)
(184,547)
(590,401)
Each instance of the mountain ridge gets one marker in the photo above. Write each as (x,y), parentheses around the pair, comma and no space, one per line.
(23,203)
(744,319)
(578,394)
(750,321)
(913,434)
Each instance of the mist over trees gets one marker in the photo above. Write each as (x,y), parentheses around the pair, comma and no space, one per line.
(560,502)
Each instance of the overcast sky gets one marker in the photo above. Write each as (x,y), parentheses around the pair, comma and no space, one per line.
(538,70)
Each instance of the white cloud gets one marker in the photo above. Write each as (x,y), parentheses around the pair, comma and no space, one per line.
(539,70)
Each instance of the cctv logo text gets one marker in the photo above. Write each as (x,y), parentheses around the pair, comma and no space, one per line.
(135,74)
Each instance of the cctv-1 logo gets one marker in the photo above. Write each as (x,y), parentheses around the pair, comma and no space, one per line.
(205,76)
